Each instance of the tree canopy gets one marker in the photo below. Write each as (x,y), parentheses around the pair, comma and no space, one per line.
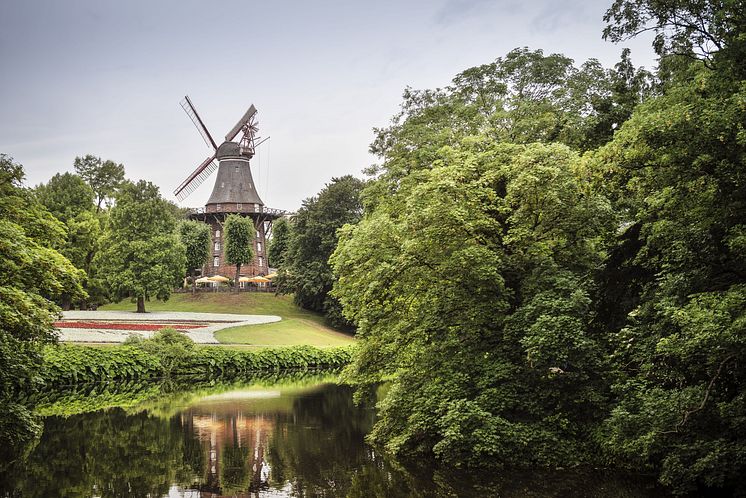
(534,306)
(32,275)
(278,245)
(306,272)
(195,236)
(142,256)
(104,177)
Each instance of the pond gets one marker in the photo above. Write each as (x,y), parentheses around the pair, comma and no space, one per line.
(276,437)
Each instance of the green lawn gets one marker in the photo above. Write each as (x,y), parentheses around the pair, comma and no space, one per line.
(297,326)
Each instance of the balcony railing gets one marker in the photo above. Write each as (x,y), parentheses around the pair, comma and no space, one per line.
(234,208)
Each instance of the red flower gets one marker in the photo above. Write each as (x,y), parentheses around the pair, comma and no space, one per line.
(124,325)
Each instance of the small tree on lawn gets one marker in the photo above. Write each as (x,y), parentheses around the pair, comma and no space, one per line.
(239,236)
(196,239)
(142,257)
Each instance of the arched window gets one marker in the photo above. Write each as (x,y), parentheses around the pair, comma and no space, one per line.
(216,261)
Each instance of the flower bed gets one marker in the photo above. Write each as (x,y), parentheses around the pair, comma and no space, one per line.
(124,326)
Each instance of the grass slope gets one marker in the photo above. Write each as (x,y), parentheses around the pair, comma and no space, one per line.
(297,327)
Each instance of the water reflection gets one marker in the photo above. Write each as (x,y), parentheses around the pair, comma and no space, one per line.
(300,439)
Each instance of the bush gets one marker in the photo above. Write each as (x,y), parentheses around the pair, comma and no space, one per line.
(170,354)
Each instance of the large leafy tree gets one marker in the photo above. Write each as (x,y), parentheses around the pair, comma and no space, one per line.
(525,96)
(469,287)
(705,30)
(142,256)
(32,274)
(195,236)
(104,177)
(71,200)
(66,196)
(239,241)
(676,282)
(306,272)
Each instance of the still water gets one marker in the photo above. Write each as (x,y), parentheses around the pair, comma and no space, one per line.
(278,438)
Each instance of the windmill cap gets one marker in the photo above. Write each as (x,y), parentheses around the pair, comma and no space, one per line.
(228,149)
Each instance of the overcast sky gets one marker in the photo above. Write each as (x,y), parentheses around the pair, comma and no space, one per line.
(106,77)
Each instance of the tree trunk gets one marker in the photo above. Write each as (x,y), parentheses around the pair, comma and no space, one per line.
(140,304)
(235,282)
(194,284)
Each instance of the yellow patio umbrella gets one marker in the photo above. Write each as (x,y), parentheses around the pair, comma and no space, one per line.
(202,280)
(271,276)
(219,278)
(244,279)
(258,279)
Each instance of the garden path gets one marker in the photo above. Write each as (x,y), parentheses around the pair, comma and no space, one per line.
(208,324)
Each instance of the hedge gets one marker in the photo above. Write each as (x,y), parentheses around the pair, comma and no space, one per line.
(66,365)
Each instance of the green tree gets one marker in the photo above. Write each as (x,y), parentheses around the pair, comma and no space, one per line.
(469,287)
(71,200)
(691,28)
(239,240)
(195,236)
(679,167)
(307,273)
(278,245)
(32,274)
(142,256)
(104,177)
(66,196)
(678,274)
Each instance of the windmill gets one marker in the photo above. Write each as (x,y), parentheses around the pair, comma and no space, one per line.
(234,191)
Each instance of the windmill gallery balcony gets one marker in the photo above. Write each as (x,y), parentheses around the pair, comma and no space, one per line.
(237,208)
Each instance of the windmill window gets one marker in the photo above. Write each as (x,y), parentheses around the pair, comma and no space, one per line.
(257,235)
(220,207)
(216,261)
(217,246)
(217,234)
(256,207)
(239,205)
(261,261)
(258,247)
(236,168)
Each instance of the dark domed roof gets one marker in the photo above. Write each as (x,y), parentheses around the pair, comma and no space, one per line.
(234,183)
(228,149)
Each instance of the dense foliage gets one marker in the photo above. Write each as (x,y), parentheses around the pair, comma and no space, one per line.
(536,307)
(195,237)
(32,274)
(278,244)
(71,200)
(104,177)
(170,354)
(142,256)
(305,271)
(475,294)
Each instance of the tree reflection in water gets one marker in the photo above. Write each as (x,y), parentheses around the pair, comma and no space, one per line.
(305,441)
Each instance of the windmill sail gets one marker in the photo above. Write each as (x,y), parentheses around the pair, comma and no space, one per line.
(188,107)
(241,122)
(196,178)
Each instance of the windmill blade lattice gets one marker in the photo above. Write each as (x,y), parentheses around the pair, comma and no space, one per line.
(188,107)
(198,176)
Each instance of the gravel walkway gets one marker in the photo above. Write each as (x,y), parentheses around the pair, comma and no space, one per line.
(202,335)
